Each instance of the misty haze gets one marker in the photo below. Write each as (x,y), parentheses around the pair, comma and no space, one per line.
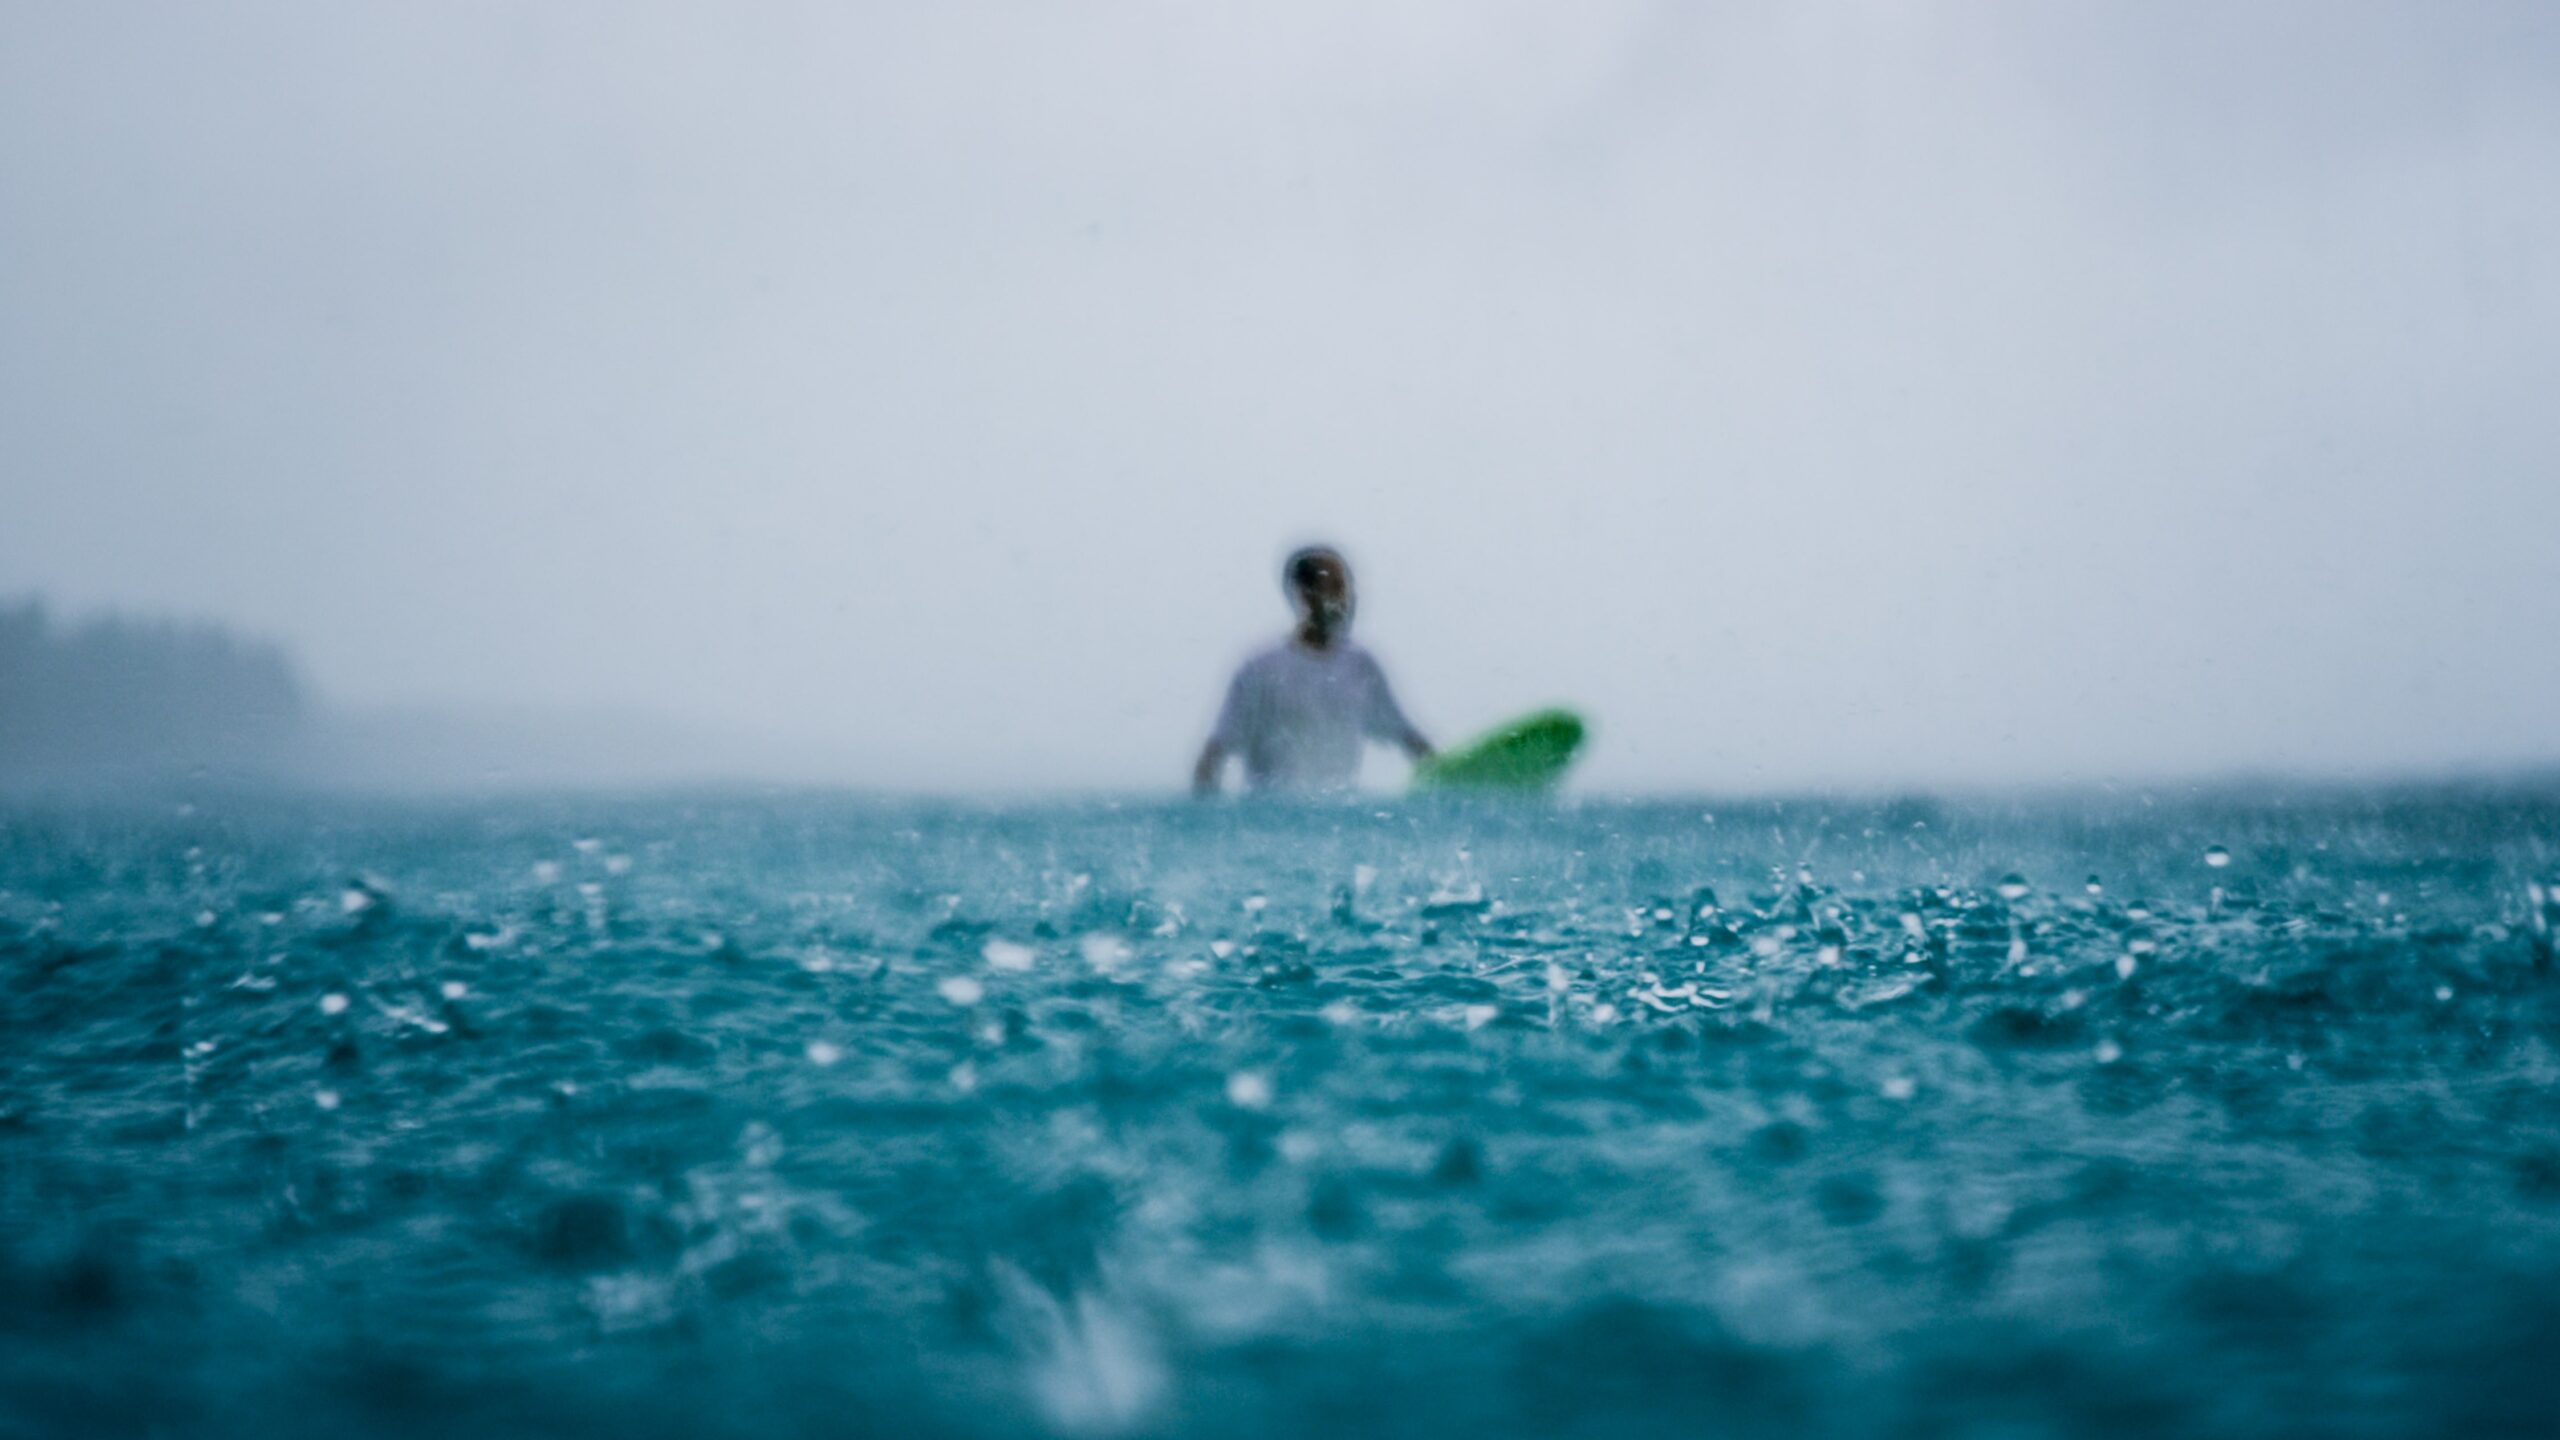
(1814,395)
(1256,720)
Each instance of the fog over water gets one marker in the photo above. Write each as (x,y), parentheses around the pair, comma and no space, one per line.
(1812,394)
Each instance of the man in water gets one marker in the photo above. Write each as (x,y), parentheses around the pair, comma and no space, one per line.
(1296,714)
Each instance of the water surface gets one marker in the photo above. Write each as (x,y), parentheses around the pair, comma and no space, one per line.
(808,1115)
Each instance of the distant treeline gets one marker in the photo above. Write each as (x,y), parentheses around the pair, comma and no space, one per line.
(123,698)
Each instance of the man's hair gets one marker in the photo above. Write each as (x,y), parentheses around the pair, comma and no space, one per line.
(1300,568)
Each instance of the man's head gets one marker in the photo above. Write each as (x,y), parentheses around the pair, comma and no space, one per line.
(1318,582)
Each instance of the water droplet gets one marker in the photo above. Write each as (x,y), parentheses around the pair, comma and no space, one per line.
(1009,957)
(1104,952)
(1249,1090)
(961,990)
(333,1003)
(2216,856)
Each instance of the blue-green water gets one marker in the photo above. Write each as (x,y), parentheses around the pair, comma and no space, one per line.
(816,1116)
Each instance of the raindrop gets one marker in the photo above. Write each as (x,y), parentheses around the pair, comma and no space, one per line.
(1103,952)
(1249,1090)
(1007,956)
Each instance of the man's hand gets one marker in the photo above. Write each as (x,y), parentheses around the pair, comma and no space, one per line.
(1205,775)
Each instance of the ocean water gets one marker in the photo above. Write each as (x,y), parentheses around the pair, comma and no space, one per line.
(2203,1114)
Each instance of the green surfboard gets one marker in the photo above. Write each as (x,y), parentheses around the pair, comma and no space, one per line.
(1528,754)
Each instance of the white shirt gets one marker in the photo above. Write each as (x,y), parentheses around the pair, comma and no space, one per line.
(1296,716)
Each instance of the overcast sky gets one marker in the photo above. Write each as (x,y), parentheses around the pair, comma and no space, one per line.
(1856,393)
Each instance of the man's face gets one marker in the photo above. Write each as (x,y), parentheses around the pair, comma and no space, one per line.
(1322,593)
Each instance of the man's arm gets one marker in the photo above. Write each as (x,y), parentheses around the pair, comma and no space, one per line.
(1387,719)
(1415,747)
(1206,774)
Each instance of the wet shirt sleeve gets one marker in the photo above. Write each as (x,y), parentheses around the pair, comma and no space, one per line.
(1384,718)
(1235,717)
